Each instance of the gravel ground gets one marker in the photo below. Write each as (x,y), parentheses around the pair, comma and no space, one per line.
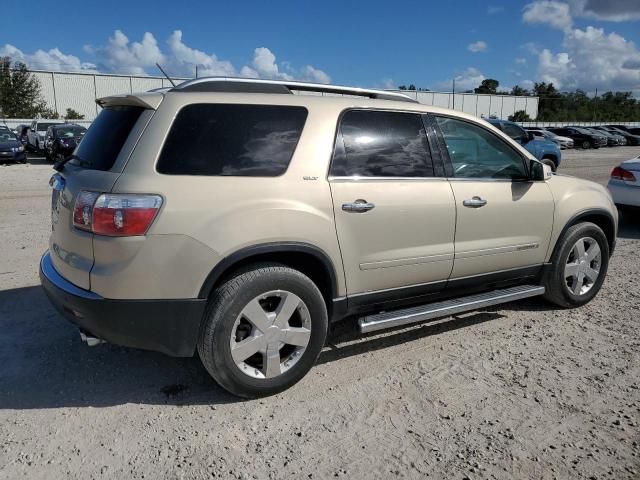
(518,391)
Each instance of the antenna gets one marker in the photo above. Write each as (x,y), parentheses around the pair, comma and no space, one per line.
(165,74)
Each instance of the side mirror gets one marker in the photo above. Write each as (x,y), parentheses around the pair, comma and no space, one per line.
(530,136)
(539,171)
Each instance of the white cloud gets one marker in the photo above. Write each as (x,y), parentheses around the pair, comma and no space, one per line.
(592,59)
(119,55)
(494,9)
(479,46)
(555,14)
(467,80)
(388,84)
(52,59)
(520,61)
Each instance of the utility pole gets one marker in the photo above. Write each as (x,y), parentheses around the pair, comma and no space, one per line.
(595,107)
(196,70)
(454,95)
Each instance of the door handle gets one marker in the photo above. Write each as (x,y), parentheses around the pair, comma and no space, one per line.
(359,206)
(475,202)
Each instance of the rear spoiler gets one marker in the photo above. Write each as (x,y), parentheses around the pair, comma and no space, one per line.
(150,100)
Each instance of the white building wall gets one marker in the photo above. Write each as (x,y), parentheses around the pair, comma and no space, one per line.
(80,90)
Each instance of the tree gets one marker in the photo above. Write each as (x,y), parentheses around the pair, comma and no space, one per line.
(488,85)
(519,116)
(519,91)
(20,92)
(73,115)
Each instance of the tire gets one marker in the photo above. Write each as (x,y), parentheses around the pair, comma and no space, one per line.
(550,162)
(586,145)
(564,290)
(226,325)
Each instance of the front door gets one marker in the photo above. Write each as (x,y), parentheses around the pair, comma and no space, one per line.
(504,219)
(394,211)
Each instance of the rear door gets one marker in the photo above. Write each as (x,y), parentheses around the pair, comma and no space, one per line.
(95,168)
(504,219)
(394,211)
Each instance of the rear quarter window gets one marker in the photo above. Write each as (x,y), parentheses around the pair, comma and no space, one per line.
(105,137)
(232,140)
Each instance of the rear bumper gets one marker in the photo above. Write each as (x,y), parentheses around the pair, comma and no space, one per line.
(623,194)
(167,326)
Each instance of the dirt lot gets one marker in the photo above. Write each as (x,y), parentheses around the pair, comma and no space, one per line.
(519,391)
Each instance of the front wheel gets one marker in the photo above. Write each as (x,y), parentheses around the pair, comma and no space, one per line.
(551,163)
(586,145)
(263,330)
(579,266)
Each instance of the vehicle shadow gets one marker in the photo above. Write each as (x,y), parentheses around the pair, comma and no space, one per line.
(44,364)
(629,225)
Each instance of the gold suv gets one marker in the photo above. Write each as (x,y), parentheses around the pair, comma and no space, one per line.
(236,218)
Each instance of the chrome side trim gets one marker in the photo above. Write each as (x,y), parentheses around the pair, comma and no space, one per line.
(356,178)
(496,250)
(406,261)
(380,321)
(494,272)
(49,271)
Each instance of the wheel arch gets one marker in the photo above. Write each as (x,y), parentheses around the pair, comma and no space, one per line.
(599,217)
(307,258)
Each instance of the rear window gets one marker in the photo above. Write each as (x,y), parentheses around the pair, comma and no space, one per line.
(232,140)
(105,137)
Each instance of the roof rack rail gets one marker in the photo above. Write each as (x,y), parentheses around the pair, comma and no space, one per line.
(252,85)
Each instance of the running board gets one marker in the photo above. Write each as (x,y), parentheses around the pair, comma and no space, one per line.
(380,321)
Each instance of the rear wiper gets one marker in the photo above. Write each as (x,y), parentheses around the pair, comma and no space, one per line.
(59,165)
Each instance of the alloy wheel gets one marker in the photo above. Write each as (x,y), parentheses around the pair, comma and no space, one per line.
(270,334)
(583,266)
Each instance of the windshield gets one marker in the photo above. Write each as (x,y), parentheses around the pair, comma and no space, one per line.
(105,137)
(42,126)
(7,136)
(584,130)
(70,131)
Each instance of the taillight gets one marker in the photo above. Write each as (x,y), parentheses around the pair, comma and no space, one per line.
(620,173)
(114,214)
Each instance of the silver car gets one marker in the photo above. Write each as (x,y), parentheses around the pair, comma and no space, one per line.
(624,183)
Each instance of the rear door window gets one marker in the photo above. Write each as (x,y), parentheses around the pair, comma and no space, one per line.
(105,137)
(232,140)
(381,144)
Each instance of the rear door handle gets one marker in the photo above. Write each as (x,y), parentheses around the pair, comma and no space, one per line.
(475,202)
(359,206)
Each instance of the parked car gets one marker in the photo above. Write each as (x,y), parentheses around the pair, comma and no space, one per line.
(36,133)
(632,139)
(613,139)
(634,130)
(21,132)
(562,142)
(582,138)
(232,217)
(624,184)
(11,149)
(61,140)
(544,150)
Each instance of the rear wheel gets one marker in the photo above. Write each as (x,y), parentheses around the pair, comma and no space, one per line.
(579,266)
(263,330)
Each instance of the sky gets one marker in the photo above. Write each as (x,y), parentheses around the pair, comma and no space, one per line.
(584,44)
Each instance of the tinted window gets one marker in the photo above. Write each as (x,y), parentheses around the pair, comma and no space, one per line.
(515,132)
(241,140)
(381,144)
(478,153)
(105,137)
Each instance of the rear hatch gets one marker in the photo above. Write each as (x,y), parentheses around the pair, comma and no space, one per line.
(96,164)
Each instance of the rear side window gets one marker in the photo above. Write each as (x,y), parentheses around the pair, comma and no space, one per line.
(232,140)
(105,137)
(381,144)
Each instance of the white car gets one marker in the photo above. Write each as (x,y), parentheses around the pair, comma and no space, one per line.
(37,131)
(624,183)
(562,142)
